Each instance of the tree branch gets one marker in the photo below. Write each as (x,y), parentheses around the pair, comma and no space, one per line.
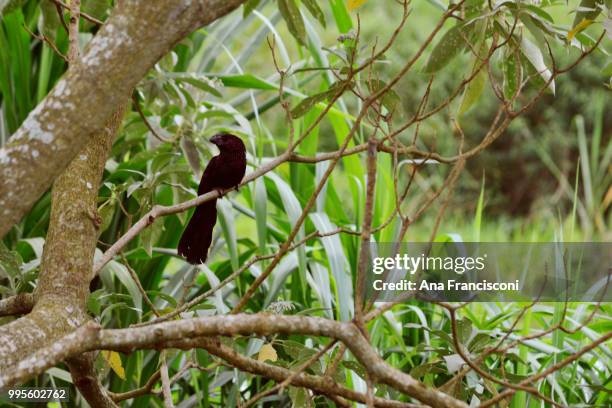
(21,303)
(85,378)
(90,337)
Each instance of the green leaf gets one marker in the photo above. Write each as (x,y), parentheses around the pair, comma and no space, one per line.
(226,219)
(96,8)
(94,305)
(473,8)
(291,13)
(293,209)
(533,54)
(390,99)
(260,197)
(60,374)
(338,264)
(299,397)
(318,279)
(199,81)
(607,70)
(512,72)
(355,366)
(464,330)
(308,103)
(453,42)
(114,268)
(6,6)
(249,6)
(9,262)
(37,244)
(341,15)
(246,81)
(539,12)
(107,212)
(476,86)
(424,369)
(473,91)
(538,28)
(313,7)
(49,19)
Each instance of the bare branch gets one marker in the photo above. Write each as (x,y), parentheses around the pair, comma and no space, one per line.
(85,378)
(165,381)
(21,303)
(90,337)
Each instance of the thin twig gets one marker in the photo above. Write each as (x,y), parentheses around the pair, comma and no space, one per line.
(163,370)
(86,16)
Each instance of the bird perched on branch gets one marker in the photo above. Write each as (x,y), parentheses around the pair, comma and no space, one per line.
(224,171)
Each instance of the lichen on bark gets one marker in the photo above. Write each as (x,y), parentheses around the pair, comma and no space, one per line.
(72,235)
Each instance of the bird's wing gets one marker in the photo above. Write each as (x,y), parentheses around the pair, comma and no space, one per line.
(212,175)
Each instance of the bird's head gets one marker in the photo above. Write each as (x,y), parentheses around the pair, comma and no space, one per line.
(228,142)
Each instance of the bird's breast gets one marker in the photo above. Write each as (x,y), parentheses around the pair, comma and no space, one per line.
(233,170)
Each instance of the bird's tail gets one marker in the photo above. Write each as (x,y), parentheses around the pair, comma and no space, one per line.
(197,236)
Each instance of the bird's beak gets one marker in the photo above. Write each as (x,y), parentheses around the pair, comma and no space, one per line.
(215,139)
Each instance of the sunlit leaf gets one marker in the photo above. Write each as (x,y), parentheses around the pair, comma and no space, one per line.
(267,352)
(353,4)
(578,28)
(588,10)
(114,361)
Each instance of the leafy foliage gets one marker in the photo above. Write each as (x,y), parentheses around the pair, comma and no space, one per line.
(221,79)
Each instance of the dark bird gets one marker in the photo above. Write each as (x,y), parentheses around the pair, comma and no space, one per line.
(224,171)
